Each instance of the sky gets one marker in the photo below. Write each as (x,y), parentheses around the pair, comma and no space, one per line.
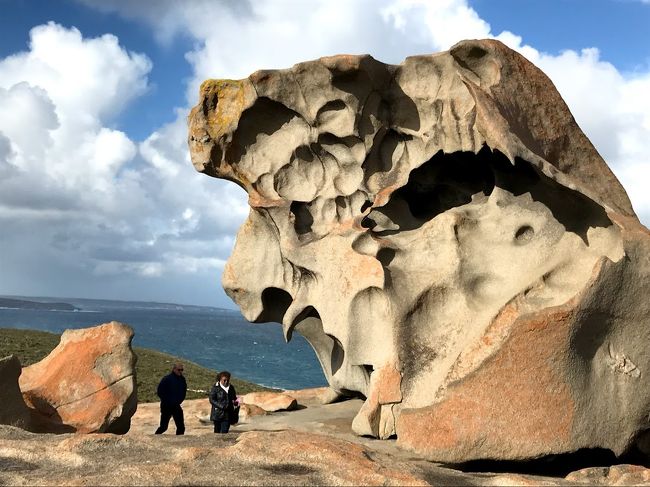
(98,197)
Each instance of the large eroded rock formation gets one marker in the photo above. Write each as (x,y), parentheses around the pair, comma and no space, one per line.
(449,242)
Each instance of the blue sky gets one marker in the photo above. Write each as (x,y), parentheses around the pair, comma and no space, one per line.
(97,195)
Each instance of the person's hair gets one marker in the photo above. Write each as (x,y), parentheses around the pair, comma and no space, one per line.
(177,365)
(224,373)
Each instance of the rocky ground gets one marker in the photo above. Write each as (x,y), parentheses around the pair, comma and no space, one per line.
(313,445)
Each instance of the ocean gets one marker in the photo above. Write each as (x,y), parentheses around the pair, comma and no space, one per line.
(213,337)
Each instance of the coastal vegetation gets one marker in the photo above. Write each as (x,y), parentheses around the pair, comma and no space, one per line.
(31,346)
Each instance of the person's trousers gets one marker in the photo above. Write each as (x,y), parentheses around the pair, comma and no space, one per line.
(166,413)
(221,426)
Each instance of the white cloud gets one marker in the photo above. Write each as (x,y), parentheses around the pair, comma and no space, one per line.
(442,23)
(7,155)
(107,206)
(27,117)
(86,79)
(70,184)
(610,106)
(84,192)
(55,101)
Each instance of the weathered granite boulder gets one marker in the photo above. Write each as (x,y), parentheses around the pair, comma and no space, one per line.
(86,384)
(314,395)
(449,242)
(248,411)
(271,401)
(615,475)
(13,410)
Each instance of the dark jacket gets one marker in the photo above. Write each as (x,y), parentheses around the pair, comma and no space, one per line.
(222,403)
(172,389)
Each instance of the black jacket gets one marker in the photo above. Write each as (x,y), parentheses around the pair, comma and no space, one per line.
(222,403)
(172,389)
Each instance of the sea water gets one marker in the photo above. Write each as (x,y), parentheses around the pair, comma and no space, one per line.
(213,337)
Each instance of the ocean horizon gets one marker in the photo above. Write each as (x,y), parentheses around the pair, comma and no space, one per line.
(217,338)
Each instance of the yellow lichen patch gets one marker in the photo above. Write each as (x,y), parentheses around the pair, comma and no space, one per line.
(223,102)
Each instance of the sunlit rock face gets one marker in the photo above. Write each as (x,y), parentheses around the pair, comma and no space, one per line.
(87,384)
(449,242)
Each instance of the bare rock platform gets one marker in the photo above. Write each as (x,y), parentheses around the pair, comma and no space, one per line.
(314,445)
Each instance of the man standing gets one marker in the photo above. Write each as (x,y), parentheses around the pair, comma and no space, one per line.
(171,391)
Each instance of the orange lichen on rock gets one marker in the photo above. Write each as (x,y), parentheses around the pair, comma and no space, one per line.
(87,382)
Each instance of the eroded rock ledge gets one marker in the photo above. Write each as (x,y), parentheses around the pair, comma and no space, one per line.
(449,242)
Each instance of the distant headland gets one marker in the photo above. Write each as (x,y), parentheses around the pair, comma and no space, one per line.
(24,304)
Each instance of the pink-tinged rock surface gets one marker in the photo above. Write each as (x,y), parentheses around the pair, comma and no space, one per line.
(614,475)
(341,462)
(314,395)
(86,384)
(271,401)
(448,241)
(310,446)
(248,411)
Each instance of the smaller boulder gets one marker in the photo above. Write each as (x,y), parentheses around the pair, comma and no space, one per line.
(87,383)
(623,474)
(271,401)
(247,411)
(314,396)
(13,410)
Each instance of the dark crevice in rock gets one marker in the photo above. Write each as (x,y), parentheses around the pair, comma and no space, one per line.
(350,394)
(302,152)
(288,469)
(328,138)
(524,234)
(553,465)
(266,116)
(331,106)
(10,464)
(444,182)
(448,181)
(571,208)
(368,223)
(385,256)
(302,217)
(275,303)
(365,205)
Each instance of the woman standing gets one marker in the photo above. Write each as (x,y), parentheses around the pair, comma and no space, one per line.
(223,399)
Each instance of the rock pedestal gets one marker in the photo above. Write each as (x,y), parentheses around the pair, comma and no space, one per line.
(448,241)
